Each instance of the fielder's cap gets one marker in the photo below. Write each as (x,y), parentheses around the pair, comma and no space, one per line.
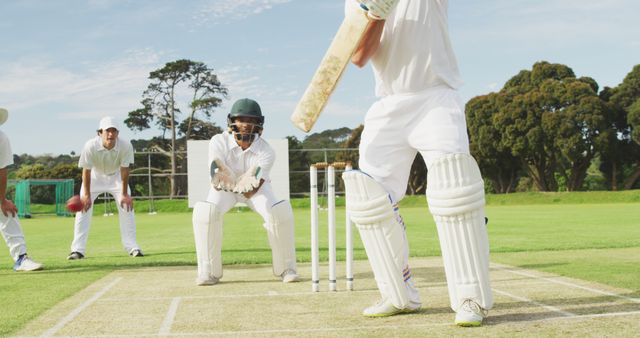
(108,122)
(246,107)
(4,115)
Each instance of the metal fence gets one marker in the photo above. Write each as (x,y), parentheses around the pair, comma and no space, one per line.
(148,181)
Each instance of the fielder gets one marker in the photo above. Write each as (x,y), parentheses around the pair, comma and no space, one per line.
(9,224)
(418,110)
(240,162)
(105,161)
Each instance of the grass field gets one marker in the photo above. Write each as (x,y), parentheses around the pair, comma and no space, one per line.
(590,236)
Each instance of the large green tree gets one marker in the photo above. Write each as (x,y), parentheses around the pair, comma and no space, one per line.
(160,106)
(552,121)
(621,161)
(498,165)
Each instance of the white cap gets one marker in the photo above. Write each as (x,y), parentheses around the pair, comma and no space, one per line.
(4,115)
(108,122)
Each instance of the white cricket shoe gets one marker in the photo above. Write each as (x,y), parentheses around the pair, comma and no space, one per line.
(24,263)
(207,281)
(290,276)
(384,308)
(470,314)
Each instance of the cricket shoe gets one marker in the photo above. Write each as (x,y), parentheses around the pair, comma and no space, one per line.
(205,281)
(75,255)
(290,276)
(384,308)
(470,314)
(136,253)
(24,263)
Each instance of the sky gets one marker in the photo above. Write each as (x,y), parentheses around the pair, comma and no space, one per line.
(64,64)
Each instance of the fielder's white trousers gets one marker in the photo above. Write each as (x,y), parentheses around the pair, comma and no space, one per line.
(398,126)
(12,234)
(105,184)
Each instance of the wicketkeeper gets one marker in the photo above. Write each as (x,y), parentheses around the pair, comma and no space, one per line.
(240,162)
(418,110)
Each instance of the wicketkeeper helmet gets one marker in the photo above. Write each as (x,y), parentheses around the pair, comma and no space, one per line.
(245,108)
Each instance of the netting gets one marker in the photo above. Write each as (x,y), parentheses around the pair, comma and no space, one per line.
(63,188)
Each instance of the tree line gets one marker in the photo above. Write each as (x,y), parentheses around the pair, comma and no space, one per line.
(545,130)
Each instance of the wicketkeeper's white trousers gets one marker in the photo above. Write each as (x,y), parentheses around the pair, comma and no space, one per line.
(12,234)
(105,184)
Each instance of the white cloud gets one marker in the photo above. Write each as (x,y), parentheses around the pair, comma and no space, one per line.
(233,10)
(113,87)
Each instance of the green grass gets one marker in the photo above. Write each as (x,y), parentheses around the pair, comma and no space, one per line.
(566,234)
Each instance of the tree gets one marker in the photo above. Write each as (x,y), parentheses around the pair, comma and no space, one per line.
(159,105)
(623,158)
(552,121)
(498,165)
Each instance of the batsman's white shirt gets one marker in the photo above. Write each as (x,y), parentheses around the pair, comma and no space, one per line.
(105,178)
(410,58)
(419,109)
(10,226)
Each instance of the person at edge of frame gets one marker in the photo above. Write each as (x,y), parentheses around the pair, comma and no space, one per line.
(240,161)
(9,223)
(418,110)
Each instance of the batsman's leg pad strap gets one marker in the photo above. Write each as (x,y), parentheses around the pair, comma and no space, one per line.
(280,230)
(383,237)
(456,200)
(207,230)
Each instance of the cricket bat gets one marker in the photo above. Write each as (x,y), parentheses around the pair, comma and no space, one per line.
(328,74)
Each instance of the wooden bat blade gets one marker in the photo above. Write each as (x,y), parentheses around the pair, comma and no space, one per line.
(328,74)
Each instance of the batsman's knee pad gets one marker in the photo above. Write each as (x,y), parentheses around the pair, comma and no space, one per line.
(455,194)
(369,207)
(207,229)
(280,230)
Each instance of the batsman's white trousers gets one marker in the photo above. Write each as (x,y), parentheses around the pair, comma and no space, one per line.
(12,234)
(431,122)
(261,202)
(105,184)
(398,126)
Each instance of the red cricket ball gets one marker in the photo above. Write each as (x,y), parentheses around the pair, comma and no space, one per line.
(74,204)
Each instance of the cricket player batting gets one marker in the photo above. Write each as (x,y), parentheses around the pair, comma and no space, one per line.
(418,110)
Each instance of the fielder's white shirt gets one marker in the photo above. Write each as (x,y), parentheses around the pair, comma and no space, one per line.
(6,157)
(415,52)
(104,161)
(224,147)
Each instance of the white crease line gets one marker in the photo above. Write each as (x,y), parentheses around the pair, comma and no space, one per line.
(602,292)
(73,314)
(527,300)
(165,329)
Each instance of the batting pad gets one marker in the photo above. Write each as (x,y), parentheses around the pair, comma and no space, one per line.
(281,237)
(207,229)
(383,237)
(455,193)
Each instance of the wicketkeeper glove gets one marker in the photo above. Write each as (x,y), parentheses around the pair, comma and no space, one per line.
(378,9)
(221,177)
(249,180)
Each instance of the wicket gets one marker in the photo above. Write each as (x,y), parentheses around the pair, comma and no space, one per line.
(331,206)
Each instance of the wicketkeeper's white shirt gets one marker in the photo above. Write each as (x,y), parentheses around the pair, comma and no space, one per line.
(419,56)
(6,157)
(224,147)
(106,161)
